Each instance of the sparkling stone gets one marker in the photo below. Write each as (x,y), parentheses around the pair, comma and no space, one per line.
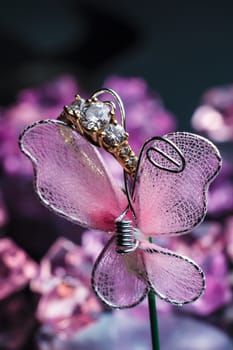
(125,151)
(16,268)
(132,162)
(76,106)
(95,115)
(115,134)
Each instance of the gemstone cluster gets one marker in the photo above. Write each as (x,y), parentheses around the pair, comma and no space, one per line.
(96,120)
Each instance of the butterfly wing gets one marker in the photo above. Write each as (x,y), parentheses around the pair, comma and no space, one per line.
(70,177)
(170,193)
(173,277)
(113,280)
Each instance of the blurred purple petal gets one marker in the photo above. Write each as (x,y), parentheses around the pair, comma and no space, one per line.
(67,303)
(32,105)
(208,251)
(217,295)
(70,301)
(16,268)
(64,260)
(209,121)
(218,292)
(220,196)
(93,242)
(52,95)
(215,117)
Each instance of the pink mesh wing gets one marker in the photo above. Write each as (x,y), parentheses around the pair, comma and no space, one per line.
(172,277)
(171,193)
(113,280)
(70,177)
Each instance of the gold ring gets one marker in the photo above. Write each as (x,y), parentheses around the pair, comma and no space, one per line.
(96,121)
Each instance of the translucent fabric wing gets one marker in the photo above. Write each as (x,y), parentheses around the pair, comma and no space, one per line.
(170,201)
(171,276)
(70,177)
(113,280)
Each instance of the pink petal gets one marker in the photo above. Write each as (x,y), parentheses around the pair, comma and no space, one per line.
(174,278)
(71,178)
(114,282)
(172,203)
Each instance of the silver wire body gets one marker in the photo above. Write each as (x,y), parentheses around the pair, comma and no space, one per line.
(125,239)
(123,123)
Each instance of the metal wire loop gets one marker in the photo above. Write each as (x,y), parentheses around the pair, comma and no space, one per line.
(180,165)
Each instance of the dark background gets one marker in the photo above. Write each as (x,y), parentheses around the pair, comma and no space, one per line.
(180,47)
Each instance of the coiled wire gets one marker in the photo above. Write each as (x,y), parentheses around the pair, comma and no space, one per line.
(125,239)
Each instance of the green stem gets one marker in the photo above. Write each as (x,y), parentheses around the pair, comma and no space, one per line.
(153,318)
(153,321)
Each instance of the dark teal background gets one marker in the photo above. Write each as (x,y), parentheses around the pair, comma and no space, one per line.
(180,47)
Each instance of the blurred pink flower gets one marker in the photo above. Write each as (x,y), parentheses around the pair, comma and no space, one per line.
(67,302)
(31,105)
(93,242)
(220,196)
(215,116)
(69,306)
(208,249)
(60,264)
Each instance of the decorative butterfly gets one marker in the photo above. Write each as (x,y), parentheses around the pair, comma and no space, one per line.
(169,197)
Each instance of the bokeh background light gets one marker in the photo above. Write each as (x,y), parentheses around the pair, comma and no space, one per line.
(172,65)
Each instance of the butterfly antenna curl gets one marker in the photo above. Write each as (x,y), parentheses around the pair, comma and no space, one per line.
(178,165)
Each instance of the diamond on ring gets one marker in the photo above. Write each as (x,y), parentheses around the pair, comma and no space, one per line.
(95,116)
